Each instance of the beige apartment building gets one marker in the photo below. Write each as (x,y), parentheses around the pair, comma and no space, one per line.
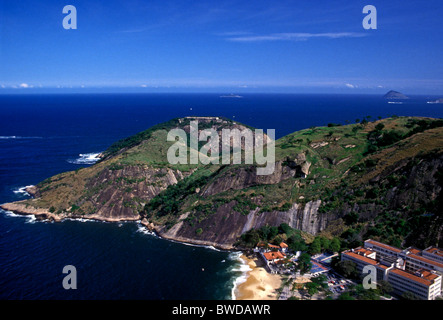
(413,270)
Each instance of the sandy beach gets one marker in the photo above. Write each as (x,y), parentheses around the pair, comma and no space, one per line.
(260,284)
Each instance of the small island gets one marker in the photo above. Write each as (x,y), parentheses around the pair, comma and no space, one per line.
(231,96)
(395,95)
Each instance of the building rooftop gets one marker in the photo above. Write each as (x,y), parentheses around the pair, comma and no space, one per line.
(426,274)
(414,250)
(364,251)
(410,276)
(273,255)
(360,257)
(426,260)
(382,245)
(283,245)
(390,259)
(435,250)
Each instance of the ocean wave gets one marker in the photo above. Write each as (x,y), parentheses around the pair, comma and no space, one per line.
(85,158)
(198,245)
(79,219)
(29,218)
(240,271)
(142,229)
(18,137)
(22,190)
(10,213)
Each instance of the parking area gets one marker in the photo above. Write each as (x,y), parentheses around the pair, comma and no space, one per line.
(336,283)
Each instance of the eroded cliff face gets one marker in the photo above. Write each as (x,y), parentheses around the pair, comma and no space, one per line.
(121,194)
(420,187)
(223,228)
(244,177)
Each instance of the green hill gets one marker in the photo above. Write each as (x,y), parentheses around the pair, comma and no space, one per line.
(381,179)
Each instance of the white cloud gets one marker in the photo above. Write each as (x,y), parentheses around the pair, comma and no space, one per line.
(144,86)
(350,85)
(25,85)
(297,36)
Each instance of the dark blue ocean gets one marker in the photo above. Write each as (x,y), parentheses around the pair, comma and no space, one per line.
(42,135)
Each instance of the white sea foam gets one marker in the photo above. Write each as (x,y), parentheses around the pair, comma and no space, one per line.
(243,268)
(78,219)
(142,229)
(85,158)
(198,245)
(29,218)
(22,190)
(10,213)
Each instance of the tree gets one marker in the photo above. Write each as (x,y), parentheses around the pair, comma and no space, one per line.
(321,281)
(273,233)
(298,246)
(312,288)
(325,243)
(364,294)
(315,246)
(351,218)
(304,263)
(384,287)
(251,238)
(407,295)
(335,245)
(264,232)
(348,269)
(346,296)
(285,228)
(379,127)
(278,239)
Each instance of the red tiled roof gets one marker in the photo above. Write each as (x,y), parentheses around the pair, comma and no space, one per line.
(382,245)
(272,246)
(361,258)
(273,255)
(261,244)
(363,250)
(426,260)
(283,245)
(412,277)
(427,274)
(436,251)
(414,251)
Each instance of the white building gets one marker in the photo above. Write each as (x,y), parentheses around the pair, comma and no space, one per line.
(424,284)
(405,270)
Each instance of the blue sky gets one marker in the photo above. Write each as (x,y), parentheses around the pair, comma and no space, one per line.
(235,46)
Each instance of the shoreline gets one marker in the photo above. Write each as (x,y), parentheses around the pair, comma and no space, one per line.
(44,215)
(259,284)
